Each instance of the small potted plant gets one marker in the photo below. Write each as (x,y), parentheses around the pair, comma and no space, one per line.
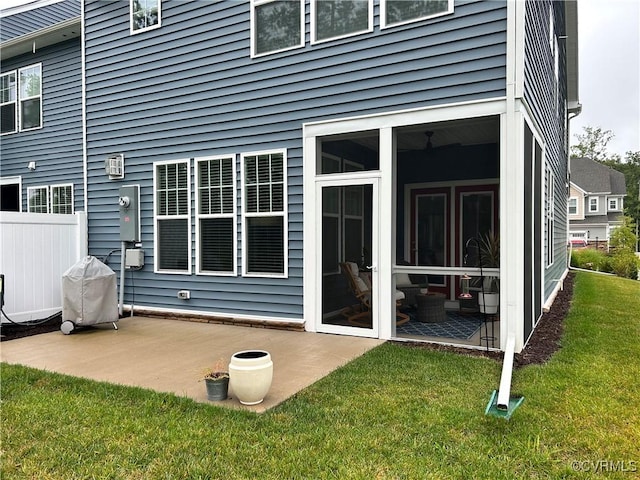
(489,245)
(216,380)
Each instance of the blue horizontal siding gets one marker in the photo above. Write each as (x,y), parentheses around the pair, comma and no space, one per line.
(190,89)
(57,146)
(539,87)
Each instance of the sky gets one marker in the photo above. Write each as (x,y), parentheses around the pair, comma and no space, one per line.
(609,70)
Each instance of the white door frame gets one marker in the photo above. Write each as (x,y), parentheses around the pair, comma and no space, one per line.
(344,180)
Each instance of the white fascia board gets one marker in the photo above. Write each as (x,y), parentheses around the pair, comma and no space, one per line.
(571,48)
(577,187)
(44,37)
(399,118)
(6,12)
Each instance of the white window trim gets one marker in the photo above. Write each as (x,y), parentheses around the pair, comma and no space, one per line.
(20,99)
(617,204)
(314,16)
(62,185)
(569,206)
(550,216)
(157,217)
(232,215)
(17,180)
(15,102)
(257,3)
(284,214)
(589,209)
(551,28)
(383,16)
(38,187)
(145,29)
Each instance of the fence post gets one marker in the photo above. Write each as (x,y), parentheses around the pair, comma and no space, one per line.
(82,235)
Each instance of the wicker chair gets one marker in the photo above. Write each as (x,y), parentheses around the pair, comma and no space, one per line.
(411,285)
(360,315)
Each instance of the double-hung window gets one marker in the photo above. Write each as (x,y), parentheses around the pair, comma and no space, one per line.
(215,210)
(613,204)
(594,204)
(264,208)
(276,25)
(38,199)
(340,18)
(21,99)
(61,198)
(9,102)
(397,12)
(144,15)
(549,207)
(30,79)
(573,206)
(172,202)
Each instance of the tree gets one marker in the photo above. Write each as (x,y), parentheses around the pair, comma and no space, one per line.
(630,167)
(593,144)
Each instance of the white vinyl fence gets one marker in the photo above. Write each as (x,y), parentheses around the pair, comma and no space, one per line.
(35,250)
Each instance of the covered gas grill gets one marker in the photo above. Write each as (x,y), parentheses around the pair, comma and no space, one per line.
(89,295)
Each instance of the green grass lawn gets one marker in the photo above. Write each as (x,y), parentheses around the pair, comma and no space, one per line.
(396,412)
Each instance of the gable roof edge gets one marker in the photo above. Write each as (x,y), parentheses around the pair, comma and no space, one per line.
(578,187)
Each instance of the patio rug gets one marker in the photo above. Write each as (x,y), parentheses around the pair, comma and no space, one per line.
(463,326)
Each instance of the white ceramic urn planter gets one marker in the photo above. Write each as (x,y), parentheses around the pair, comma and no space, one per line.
(250,375)
(488,302)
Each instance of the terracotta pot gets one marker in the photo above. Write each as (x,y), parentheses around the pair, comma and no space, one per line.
(250,375)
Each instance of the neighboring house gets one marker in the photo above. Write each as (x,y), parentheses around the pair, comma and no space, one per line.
(271,140)
(41,145)
(596,196)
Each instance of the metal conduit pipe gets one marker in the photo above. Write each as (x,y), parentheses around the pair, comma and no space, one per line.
(122,273)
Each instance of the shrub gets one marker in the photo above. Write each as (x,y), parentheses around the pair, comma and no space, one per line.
(622,237)
(625,264)
(590,259)
(605,265)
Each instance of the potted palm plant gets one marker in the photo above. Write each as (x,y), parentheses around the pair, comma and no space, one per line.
(216,379)
(488,299)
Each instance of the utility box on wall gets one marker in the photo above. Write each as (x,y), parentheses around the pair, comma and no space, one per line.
(129,202)
(134,258)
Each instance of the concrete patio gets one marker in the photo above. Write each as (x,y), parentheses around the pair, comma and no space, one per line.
(169,355)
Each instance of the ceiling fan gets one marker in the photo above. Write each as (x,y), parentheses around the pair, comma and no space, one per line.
(429,145)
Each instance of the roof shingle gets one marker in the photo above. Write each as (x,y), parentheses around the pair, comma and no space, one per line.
(594,177)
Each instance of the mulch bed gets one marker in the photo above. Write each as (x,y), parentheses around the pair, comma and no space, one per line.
(544,342)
